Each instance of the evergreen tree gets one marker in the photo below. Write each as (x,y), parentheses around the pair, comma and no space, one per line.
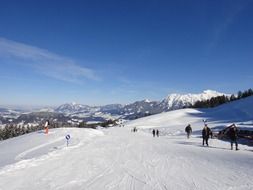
(1,134)
(250,92)
(232,98)
(82,125)
(239,95)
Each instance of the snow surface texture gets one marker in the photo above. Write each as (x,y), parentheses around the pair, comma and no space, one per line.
(117,158)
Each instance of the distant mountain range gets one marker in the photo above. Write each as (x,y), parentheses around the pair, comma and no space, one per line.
(73,112)
(171,102)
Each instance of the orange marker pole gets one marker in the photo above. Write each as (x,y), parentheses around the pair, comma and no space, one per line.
(46,130)
(46,127)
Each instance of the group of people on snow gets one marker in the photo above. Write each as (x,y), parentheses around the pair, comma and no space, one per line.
(155,132)
(232,134)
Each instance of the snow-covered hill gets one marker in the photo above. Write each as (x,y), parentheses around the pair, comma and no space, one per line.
(239,112)
(116,158)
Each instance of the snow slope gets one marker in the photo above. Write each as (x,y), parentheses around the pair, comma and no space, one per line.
(118,159)
(239,112)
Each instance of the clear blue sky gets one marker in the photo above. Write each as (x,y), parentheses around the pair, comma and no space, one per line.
(99,52)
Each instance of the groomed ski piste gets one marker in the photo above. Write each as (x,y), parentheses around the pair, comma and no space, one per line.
(118,159)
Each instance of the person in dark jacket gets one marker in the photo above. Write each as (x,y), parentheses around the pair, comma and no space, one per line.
(188,130)
(233,135)
(153,132)
(206,133)
(157,133)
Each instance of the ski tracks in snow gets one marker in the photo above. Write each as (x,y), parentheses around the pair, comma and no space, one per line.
(39,154)
(22,155)
(108,169)
(121,160)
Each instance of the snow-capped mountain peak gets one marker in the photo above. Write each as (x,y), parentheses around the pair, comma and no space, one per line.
(147,101)
(177,101)
(73,103)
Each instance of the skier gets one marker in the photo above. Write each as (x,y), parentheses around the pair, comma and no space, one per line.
(153,132)
(188,130)
(157,133)
(233,135)
(206,132)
